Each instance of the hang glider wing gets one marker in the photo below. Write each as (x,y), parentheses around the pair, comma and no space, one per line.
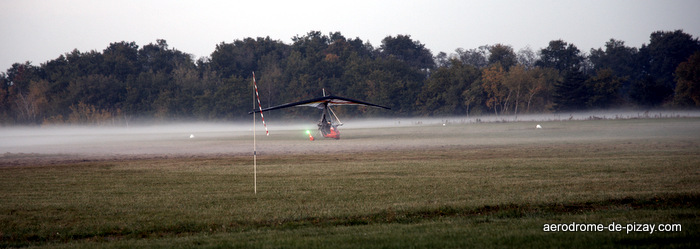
(320,102)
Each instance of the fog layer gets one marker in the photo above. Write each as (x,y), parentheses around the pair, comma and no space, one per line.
(188,139)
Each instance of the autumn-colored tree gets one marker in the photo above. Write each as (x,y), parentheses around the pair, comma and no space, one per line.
(516,80)
(540,88)
(31,104)
(493,80)
(82,113)
(688,82)
(158,81)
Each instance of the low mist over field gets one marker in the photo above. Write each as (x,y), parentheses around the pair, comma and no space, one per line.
(189,139)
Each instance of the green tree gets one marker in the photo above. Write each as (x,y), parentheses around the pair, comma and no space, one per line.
(234,59)
(157,57)
(474,57)
(649,92)
(604,89)
(444,92)
(233,99)
(21,74)
(622,60)
(241,57)
(121,60)
(561,56)
(617,57)
(666,50)
(571,93)
(5,105)
(393,83)
(406,49)
(102,92)
(143,90)
(474,98)
(503,54)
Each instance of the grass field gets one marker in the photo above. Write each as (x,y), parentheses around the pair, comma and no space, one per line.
(471,185)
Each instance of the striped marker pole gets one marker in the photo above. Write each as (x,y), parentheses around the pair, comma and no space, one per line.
(259,105)
(255,150)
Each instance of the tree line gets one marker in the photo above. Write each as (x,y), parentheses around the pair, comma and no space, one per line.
(126,82)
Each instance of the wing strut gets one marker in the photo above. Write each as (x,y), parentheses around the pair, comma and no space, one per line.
(335,116)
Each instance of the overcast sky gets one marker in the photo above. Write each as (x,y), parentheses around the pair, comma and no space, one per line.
(38,31)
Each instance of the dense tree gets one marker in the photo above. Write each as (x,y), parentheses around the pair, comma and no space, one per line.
(540,89)
(476,57)
(604,89)
(157,57)
(31,104)
(124,81)
(22,92)
(622,60)
(5,105)
(515,81)
(444,92)
(406,49)
(561,56)
(665,51)
(442,60)
(475,99)
(688,78)
(502,54)
(103,92)
(515,91)
(649,92)
(498,95)
(121,60)
(571,93)
(234,59)
(660,58)
(616,57)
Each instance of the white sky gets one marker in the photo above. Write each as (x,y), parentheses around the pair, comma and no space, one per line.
(38,31)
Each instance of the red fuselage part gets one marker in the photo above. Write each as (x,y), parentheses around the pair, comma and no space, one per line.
(334,133)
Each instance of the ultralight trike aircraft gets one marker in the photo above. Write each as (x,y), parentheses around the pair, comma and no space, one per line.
(329,122)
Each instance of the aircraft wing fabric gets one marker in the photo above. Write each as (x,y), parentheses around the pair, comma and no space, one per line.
(320,102)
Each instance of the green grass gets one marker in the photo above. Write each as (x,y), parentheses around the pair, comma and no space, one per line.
(486,195)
